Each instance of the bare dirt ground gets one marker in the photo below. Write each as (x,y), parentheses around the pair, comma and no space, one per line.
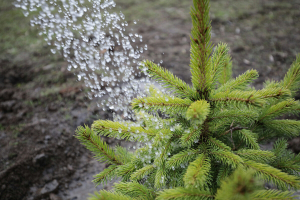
(42,103)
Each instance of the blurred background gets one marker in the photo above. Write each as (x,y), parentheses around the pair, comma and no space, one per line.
(42,102)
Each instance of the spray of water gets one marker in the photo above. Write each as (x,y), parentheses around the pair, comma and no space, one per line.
(94,40)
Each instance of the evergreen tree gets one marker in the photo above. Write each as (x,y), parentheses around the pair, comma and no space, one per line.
(203,141)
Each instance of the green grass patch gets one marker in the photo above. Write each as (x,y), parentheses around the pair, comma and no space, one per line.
(15,31)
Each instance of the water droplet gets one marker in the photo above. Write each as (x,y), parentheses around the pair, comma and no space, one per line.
(97,26)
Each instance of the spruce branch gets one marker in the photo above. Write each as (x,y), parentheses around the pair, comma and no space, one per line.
(219,121)
(216,66)
(285,160)
(271,174)
(105,175)
(176,177)
(161,158)
(160,177)
(277,93)
(122,130)
(181,158)
(285,107)
(271,84)
(163,138)
(217,144)
(168,79)
(227,157)
(288,166)
(256,98)
(166,105)
(226,73)
(284,128)
(197,173)
(123,155)
(135,190)
(95,144)
(241,116)
(147,119)
(141,173)
(249,138)
(279,147)
(239,83)
(272,195)
(256,155)
(291,80)
(223,172)
(126,170)
(180,193)
(237,97)
(190,136)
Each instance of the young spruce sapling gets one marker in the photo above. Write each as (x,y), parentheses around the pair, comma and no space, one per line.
(202,141)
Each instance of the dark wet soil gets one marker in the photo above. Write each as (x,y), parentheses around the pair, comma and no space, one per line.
(42,103)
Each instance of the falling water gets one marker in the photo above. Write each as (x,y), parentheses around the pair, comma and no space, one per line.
(94,40)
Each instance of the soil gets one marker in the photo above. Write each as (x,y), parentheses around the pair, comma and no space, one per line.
(42,103)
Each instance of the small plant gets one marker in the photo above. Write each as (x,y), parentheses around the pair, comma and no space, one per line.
(203,142)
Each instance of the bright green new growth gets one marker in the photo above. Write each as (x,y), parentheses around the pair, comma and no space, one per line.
(206,145)
(197,112)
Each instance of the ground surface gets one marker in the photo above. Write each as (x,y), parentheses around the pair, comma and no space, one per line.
(42,103)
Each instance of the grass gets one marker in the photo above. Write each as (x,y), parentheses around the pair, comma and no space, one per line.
(149,12)
(157,10)
(15,31)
